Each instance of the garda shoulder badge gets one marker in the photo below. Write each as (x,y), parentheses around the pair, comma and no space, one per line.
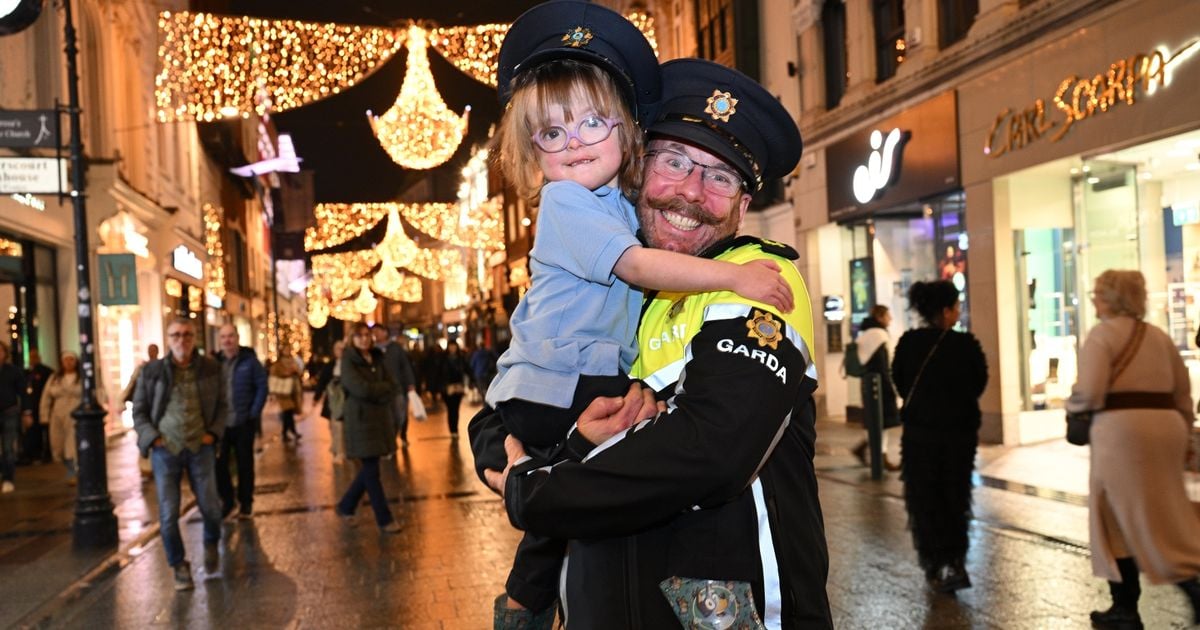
(765,330)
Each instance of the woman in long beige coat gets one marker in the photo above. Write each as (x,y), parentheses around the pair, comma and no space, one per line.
(62,394)
(1140,518)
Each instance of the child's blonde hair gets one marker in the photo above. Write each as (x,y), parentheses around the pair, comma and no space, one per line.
(553,84)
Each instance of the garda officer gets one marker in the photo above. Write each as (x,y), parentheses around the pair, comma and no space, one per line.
(707,513)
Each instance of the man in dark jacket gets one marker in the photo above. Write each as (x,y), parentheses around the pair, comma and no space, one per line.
(12,393)
(246,381)
(395,359)
(36,444)
(179,411)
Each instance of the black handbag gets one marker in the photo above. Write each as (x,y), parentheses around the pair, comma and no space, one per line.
(1079,423)
(1079,427)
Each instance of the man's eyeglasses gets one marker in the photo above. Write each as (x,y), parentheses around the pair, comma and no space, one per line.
(181,335)
(718,180)
(588,131)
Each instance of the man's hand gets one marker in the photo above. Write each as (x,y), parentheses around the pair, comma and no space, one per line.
(761,281)
(608,416)
(515,451)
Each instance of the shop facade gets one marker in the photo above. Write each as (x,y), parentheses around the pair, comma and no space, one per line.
(1080,155)
(896,215)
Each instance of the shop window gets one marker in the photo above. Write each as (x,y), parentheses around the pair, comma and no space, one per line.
(955,18)
(833,29)
(890,46)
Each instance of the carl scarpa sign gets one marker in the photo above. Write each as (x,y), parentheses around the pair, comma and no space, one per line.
(1078,98)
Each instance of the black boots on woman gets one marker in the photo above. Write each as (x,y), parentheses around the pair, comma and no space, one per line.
(1191,588)
(1123,614)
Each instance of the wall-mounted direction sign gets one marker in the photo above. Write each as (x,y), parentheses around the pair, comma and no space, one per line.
(28,128)
(33,175)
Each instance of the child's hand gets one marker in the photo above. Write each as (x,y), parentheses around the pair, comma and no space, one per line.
(608,416)
(761,281)
(497,479)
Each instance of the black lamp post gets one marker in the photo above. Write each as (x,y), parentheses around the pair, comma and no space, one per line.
(95,523)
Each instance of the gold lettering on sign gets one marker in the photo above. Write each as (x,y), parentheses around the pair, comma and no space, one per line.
(1079,98)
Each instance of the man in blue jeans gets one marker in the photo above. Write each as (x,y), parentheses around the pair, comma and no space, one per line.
(246,387)
(179,410)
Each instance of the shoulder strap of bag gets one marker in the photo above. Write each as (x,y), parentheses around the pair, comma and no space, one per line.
(913,390)
(1128,352)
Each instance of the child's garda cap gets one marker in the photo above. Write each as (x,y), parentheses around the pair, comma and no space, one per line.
(574,29)
(730,115)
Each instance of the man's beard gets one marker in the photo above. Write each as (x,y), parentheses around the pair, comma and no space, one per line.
(650,206)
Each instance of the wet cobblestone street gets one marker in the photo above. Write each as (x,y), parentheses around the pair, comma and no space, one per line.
(298,565)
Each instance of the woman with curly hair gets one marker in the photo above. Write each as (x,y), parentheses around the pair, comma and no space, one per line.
(940,373)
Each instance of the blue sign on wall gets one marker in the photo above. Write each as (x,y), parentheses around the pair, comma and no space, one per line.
(118,279)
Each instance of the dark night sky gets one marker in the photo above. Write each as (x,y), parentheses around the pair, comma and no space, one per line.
(333,136)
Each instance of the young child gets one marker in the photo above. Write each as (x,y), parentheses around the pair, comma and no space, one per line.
(576,78)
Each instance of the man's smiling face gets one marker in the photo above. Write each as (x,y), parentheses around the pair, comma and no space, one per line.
(683,216)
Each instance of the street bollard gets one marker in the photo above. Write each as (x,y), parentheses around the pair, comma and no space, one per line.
(873,412)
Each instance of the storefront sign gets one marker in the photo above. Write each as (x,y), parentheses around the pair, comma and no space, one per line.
(882,166)
(28,128)
(1077,99)
(33,175)
(910,156)
(187,263)
(118,279)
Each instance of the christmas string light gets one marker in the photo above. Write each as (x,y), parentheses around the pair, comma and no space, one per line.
(472,49)
(211,67)
(365,303)
(396,249)
(409,290)
(419,131)
(337,223)
(215,267)
(645,23)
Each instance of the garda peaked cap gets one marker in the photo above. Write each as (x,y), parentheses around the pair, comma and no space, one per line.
(730,115)
(574,29)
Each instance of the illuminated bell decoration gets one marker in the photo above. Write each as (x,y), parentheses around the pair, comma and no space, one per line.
(419,131)
(365,303)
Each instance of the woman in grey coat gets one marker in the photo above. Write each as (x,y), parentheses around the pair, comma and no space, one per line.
(367,425)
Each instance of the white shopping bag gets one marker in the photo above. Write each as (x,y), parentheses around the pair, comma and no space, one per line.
(416,407)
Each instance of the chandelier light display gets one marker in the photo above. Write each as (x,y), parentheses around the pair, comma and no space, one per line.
(419,131)
(365,303)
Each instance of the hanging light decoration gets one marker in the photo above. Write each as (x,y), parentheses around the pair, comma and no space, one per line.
(387,279)
(645,23)
(317,300)
(210,66)
(215,267)
(408,291)
(419,131)
(339,222)
(396,248)
(365,303)
(472,49)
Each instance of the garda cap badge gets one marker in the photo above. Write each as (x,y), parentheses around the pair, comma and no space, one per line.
(765,329)
(577,37)
(721,105)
